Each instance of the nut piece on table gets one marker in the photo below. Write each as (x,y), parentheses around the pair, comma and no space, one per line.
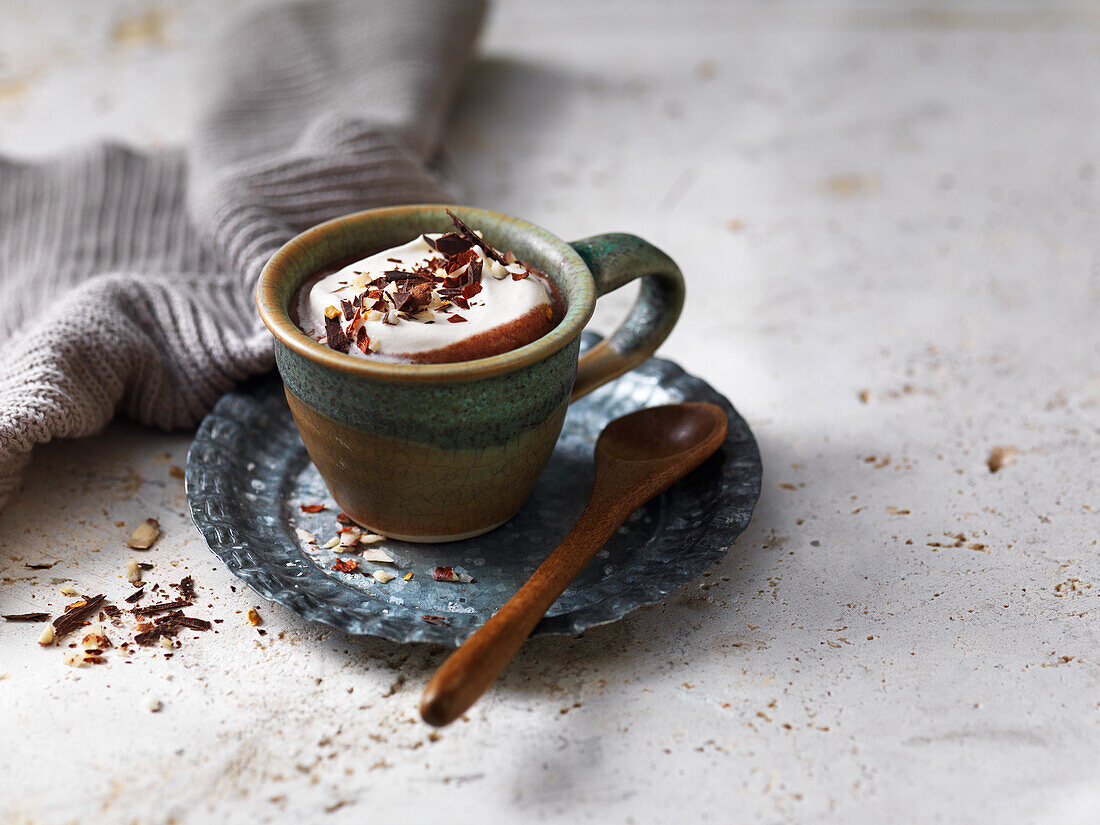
(144,534)
(254,617)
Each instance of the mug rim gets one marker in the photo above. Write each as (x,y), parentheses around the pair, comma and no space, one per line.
(277,318)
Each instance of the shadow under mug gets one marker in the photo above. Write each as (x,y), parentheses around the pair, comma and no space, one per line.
(440,452)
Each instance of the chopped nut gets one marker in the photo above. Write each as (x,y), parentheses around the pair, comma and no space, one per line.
(349,537)
(305,535)
(47,636)
(68,590)
(254,617)
(332,542)
(96,639)
(133,572)
(377,554)
(144,535)
(370,538)
(166,642)
(75,658)
(154,705)
(383,576)
(448,574)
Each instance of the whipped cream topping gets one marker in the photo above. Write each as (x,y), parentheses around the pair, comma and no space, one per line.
(427,294)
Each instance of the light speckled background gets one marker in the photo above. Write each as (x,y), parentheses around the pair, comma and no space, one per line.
(898,198)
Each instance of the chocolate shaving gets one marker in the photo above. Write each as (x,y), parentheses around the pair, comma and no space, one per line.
(41,565)
(436,620)
(379,305)
(461,302)
(362,340)
(334,335)
(194,624)
(187,587)
(112,611)
(159,608)
(421,294)
(456,262)
(473,272)
(452,243)
(26,617)
(470,290)
(472,236)
(74,616)
(149,636)
(455,319)
(348,308)
(136,595)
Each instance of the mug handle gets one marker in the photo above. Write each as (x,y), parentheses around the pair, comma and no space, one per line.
(615,259)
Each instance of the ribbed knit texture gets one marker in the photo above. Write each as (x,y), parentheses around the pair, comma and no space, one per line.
(127,278)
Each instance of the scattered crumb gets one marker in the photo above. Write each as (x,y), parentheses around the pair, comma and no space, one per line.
(144,535)
(154,705)
(1001,457)
(175,471)
(897,511)
(864,396)
(254,617)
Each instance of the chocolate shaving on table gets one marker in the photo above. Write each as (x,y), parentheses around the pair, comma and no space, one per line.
(46,565)
(112,611)
(436,620)
(186,587)
(136,595)
(75,615)
(147,637)
(193,623)
(334,335)
(160,608)
(455,319)
(474,239)
(26,617)
(452,243)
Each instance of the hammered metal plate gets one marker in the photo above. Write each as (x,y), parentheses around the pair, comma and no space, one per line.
(248,473)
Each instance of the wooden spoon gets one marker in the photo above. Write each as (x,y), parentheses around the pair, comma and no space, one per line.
(637,457)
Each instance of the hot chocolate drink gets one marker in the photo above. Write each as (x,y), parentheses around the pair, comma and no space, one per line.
(438,298)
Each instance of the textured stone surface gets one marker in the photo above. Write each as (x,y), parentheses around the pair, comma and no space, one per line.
(902,202)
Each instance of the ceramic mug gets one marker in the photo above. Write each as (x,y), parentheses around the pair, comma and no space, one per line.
(440,452)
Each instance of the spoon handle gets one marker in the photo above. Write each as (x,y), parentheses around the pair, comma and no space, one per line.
(470,670)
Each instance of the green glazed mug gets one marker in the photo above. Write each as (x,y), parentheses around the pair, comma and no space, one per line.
(441,452)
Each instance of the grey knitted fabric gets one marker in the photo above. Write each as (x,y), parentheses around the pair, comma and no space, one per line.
(127,277)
